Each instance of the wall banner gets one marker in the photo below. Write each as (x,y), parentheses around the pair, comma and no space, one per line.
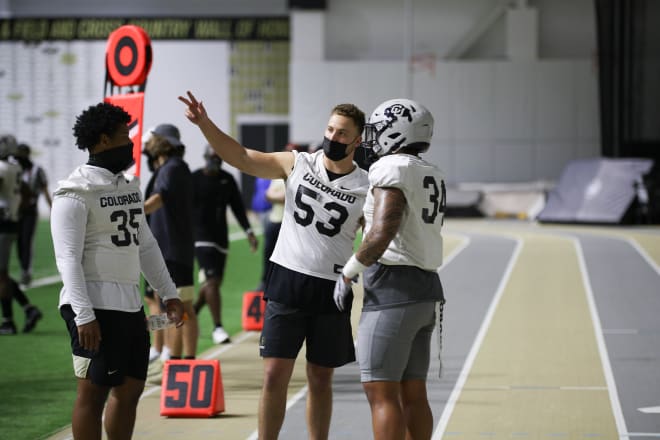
(206,28)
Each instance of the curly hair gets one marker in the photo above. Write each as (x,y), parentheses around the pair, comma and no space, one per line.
(102,118)
(351,111)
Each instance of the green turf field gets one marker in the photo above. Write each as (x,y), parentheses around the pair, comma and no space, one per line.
(36,377)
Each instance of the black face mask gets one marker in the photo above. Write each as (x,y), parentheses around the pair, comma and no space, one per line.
(151,161)
(24,162)
(213,164)
(334,150)
(114,160)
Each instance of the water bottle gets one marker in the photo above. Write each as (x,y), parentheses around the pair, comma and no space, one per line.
(159,322)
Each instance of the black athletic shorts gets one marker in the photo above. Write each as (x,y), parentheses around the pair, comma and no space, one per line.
(211,261)
(182,276)
(124,347)
(328,336)
(298,290)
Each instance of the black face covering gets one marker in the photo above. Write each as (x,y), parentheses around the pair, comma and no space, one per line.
(213,163)
(115,159)
(151,161)
(334,150)
(24,162)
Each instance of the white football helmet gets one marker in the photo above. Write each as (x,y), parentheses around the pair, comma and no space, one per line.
(398,123)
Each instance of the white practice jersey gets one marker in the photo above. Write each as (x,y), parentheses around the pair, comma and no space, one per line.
(321,218)
(102,242)
(419,240)
(10,190)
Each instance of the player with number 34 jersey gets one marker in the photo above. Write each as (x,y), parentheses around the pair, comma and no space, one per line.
(422,185)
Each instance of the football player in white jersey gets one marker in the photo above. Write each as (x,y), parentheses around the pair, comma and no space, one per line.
(102,243)
(399,257)
(12,193)
(325,192)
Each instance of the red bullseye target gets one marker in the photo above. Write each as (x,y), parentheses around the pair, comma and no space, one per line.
(128,56)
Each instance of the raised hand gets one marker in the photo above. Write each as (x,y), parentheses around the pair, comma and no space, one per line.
(195,112)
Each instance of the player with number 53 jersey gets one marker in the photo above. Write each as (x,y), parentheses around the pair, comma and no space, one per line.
(321,218)
(325,192)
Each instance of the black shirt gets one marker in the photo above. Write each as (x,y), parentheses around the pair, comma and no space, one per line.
(172,224)
(212,193)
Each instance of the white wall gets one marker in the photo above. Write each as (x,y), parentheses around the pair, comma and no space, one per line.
(374,29)
(53,82)
(495,121)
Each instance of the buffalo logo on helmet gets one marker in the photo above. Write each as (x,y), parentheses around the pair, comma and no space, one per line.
(398,111)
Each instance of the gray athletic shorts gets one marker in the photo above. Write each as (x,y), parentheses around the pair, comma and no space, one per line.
(395,344)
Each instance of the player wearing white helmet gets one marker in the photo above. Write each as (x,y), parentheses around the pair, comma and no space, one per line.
(399,257)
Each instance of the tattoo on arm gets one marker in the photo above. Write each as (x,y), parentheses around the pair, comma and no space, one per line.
(389,205)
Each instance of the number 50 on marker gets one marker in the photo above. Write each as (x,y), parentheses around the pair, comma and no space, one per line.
(192,388)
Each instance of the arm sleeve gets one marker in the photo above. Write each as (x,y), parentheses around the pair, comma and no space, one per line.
(68,226)
(237,206)
(153,265)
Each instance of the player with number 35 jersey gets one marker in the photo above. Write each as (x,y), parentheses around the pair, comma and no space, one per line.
(102,243)
(108,228)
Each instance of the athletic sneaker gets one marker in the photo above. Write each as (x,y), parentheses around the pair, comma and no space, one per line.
(8,328)
(155,372)
(32,315)
(26,278)
(220,336)
(153,354)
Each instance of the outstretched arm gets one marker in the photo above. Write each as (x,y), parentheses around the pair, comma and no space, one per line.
(255,163)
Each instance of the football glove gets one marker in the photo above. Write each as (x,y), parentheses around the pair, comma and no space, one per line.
(343,294)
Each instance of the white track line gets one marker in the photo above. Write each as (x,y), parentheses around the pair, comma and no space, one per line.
(469,361)
(602,348)
(465,241)
(644,255)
